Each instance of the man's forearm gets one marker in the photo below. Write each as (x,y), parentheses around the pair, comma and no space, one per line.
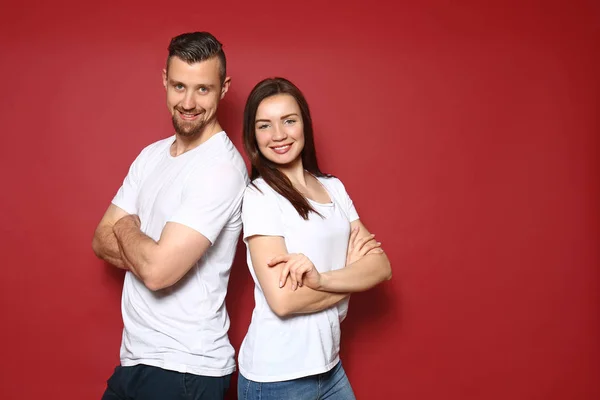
(106,247)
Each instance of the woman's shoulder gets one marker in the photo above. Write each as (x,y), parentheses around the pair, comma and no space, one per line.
(258,188)
(332,183)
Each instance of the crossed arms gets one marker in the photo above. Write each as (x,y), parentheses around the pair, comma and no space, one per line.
(119,241)
(306,290)
(158,264)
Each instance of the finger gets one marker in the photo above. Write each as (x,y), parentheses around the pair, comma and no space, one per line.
(353,235)
(369,246)
(307,266)
(376,250)
(356,236)
(284,275)
(300,273)
(361,242)
(278,260)
(292,275)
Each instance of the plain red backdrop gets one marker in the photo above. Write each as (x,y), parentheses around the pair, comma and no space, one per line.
(466,133)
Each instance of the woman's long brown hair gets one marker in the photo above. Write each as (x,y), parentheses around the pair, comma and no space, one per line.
(261,167)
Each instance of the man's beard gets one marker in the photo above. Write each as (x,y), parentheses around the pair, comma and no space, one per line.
(187,129)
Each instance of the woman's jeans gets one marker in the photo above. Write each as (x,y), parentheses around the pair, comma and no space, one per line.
(331,385)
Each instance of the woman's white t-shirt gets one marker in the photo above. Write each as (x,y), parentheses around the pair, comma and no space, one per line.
(279,349)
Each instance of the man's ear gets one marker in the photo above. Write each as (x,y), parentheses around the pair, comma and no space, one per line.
(225,86)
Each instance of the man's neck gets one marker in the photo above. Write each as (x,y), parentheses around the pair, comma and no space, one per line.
(184,144)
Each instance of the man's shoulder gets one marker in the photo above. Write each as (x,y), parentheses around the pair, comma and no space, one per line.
(227,158)
(223,146)
(156,147)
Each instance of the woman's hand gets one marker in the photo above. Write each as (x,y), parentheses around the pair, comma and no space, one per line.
(300,270)
(358,248)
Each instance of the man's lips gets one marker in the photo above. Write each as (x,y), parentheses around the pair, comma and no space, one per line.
(188,116)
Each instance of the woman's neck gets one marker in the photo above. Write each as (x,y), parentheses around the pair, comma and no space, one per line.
(295,173)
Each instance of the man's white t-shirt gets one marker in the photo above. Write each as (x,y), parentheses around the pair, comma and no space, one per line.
(279,349)
(184,327)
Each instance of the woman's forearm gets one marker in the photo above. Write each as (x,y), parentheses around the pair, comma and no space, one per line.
(361,275)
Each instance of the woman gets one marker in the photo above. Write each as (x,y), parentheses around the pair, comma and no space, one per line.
(307,251)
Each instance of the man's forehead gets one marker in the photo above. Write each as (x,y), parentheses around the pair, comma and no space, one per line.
(194,72)
(208,64)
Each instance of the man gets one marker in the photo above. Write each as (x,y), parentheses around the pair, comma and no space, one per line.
(173,225)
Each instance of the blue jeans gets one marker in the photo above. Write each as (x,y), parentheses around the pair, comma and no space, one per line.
(144,382)
(332,385)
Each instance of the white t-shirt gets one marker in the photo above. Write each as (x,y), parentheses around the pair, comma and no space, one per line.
(184,327)
(279,349)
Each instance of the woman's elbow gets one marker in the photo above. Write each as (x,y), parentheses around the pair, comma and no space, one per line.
(389,274)
(280,306)
(281,310)
(386,270)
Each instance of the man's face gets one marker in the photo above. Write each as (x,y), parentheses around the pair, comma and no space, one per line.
(193,94)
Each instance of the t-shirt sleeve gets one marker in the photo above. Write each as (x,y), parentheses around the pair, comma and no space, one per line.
(261,214)
(345,200)
(210,200)
(342,308)
(127,195)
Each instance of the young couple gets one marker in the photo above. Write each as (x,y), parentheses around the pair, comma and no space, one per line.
(174,225)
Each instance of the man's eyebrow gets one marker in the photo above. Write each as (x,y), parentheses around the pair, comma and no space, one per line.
(174,82)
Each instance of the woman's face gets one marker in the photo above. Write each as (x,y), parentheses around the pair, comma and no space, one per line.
(279,129)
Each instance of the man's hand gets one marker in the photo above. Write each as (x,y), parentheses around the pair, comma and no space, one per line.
(105,243)
(126,222)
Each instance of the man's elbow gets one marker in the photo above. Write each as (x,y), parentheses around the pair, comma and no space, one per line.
(159,275)
(97,247)
(152,279)
(155,282)
(155,285)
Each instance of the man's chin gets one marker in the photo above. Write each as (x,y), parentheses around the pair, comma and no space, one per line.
(187,131)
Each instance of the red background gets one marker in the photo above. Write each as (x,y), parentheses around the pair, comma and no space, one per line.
(467,135)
